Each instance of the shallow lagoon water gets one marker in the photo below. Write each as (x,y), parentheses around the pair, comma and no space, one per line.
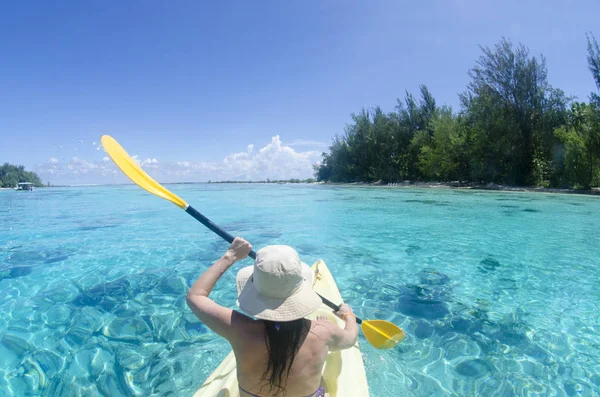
(497,292)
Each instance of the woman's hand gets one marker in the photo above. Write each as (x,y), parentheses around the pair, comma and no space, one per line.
(239,249)
(344,309)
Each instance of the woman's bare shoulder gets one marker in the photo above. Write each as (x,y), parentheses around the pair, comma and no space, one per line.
(323,328)
(245,328)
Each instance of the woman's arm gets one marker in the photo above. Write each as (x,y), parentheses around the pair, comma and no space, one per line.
(347,337)
(218,318)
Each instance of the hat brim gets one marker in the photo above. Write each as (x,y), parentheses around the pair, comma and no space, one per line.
(298,305)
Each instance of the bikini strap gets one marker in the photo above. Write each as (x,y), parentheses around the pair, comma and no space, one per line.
(320,392)
(247,392)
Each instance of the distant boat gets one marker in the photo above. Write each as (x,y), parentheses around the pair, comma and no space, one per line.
(24,186)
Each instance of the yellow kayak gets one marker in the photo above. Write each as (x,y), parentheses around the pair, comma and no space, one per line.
(344,371)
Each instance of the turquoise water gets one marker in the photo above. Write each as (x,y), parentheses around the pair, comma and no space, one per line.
(499,293)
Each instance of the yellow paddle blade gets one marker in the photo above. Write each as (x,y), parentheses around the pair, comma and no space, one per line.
(136,173)
(382,334)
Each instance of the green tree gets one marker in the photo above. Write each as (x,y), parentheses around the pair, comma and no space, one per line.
(414,130)
(579,160)
(513,127)
(506,102)
(447,155)
(381,146)
(594,65)
(335,165)
(10,175)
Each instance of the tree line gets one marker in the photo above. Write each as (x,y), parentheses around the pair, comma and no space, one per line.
(513,127)
(10,175)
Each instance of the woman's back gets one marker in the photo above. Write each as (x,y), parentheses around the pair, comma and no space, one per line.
(304,379)
(281,352)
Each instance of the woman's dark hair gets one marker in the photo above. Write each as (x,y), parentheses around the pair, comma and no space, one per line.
(283,341)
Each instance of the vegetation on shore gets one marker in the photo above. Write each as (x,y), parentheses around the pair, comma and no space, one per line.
(513,128)
(10,175)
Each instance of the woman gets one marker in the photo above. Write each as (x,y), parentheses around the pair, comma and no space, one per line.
(279,352)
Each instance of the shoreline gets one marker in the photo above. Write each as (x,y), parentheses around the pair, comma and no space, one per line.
(462,186)
(405,185)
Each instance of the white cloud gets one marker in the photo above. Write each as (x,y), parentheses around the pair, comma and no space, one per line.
(52,166)
(149,163)
(305,142)
(275,160)
(76,170)
(79,166)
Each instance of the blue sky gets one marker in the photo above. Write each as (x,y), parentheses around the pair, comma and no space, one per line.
(188,86)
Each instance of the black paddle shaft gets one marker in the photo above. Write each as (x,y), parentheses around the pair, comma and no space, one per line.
(208,223)
(229,238)
(336,307)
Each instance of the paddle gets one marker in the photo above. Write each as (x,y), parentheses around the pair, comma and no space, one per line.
(381,334)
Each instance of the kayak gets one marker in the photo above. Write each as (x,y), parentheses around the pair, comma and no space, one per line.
(344,371)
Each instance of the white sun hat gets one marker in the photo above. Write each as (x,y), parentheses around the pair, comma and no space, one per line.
(278,287)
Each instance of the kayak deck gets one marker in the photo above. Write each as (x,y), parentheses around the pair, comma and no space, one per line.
(344,372)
